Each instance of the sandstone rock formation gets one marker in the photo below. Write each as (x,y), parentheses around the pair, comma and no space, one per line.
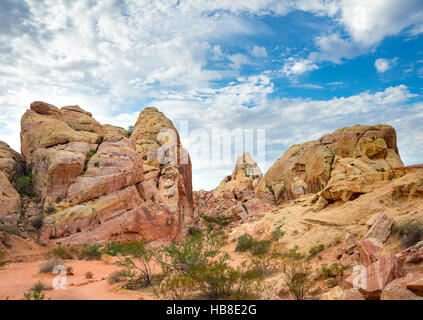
(341,165)
(96,183)
(12,166)
(234,199)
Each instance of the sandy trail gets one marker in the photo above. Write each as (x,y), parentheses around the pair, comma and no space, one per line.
(18,278)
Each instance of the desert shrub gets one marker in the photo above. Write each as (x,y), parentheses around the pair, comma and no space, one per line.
(257,247)
(24,185)
(297,278)
(38,223)
(277,234)
(260,247)
(245,242)
(294,254)
(113,248)
(263,264)
(40,286)
(91,252)
(176,287)
(34,295)
(138,272)
(60,252)
(315,250)
(48,266)
(334,271)
(410,233)
(192,231)
(3,260)
(192,252)
(116,276)
(130,130)
(218,280)
(221,221)
(88,275)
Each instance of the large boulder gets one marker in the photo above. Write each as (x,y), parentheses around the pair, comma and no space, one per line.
(332,164)
(166,164)
(372,279)
(97,184)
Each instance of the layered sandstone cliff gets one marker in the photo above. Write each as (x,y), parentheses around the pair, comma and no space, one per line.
(98,183)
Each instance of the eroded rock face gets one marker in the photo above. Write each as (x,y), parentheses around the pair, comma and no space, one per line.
(93,180)
(235,199)
(342,165)
(12,166)
(167,167)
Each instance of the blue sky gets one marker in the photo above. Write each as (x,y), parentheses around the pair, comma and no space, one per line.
(297,68)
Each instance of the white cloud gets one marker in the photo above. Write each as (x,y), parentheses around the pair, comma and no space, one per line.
(383,65)
(295,66)
(259,52)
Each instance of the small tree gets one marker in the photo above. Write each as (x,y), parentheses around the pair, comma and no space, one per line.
(194,251)
(297,279)
(138,274)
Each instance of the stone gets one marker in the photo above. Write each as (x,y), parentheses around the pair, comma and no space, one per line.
(370,250)
(10,201)
(114,166)
(339,252)
(350,242)
(398,292)
(334,163)
(235,197)
(12,163)
(113,131)
(338,293)
(380,228)
(371,280)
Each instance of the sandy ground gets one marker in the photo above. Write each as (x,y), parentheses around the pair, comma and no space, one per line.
(18,278)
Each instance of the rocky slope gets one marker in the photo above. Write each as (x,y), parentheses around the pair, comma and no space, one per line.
(234,199)
(99,182)
(339,166)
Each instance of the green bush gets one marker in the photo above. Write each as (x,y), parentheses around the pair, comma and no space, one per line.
(38,223)
(34,295)
(260,247)
(40,286)
(297,278)
(60,252)
(138,272)
(192,252)
(221,221)
(257,247)
(176,287)
(218,280)
(24,185)
(91,252)
(245,242)
(294,254)
(315,250)
(334,270)
(192,231)
(277,234)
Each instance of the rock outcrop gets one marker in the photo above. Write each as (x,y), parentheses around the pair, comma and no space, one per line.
(96,183)
(234,199)
(12,166)
(341,166)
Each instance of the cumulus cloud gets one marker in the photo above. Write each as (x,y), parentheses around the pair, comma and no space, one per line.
(115,57)
(295,66)
(383,65)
